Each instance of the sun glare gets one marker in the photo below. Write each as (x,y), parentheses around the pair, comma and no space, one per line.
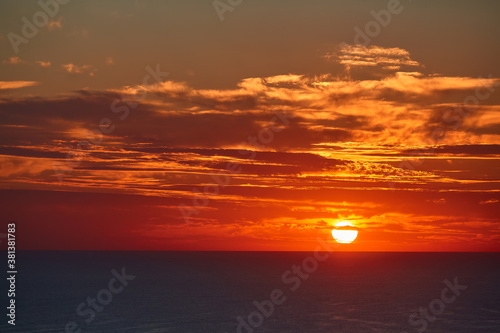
(344,232)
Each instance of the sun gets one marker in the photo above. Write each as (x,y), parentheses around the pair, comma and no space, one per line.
(344,232)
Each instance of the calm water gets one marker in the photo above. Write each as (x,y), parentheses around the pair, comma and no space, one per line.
(207,291)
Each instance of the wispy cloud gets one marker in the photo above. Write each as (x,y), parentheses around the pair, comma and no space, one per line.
(55,24)
(4,85)
(76,69)
(372,56)
(19,61)
(43,63)
(14,61)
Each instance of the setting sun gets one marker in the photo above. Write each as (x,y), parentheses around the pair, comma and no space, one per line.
(344,232)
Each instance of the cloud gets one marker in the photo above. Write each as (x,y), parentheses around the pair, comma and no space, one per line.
(55,24)
(4,85)
(19,61)
(75,69)
(43,63)
(372,56)
(465,150)
(30,152)
(14,61)
(396,109)
(491,201)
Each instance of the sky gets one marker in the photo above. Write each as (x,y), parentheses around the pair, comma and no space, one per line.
(201,125)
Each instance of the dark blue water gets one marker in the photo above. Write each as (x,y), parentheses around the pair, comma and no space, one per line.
(208,291)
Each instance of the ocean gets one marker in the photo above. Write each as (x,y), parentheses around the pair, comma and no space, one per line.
(247,292)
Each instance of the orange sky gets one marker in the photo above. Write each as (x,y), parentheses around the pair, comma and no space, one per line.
(122,151)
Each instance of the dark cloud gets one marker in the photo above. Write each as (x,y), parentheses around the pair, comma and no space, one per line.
(471,150)
(26,152)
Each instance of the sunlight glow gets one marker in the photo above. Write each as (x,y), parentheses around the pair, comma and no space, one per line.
(344,232)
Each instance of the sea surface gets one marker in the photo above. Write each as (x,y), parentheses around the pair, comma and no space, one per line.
(223,291)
